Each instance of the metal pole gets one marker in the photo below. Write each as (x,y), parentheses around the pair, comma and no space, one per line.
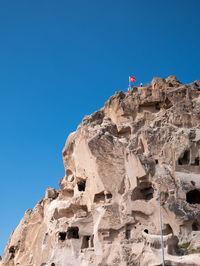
(161,232)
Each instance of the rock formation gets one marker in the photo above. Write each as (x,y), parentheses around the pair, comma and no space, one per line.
(143,145)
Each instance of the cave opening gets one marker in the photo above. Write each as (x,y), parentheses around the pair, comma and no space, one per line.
(72,232)
(81,185)
(85,242)
(62,236)
(185,159)
(108,196)
(167,229)
(144,193)
(167,104)
(128,233)
(193,196)
(196,161)
(12,249)
(157,106)
(99,197)
(195,226)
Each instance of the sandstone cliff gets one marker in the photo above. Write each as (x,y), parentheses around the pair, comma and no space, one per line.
(141,144)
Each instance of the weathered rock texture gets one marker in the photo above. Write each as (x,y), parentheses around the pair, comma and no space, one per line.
(141,144)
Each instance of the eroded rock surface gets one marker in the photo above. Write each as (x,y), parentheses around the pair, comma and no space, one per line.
(141,144)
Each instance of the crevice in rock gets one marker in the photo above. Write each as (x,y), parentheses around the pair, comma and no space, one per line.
(45,238)
(12,252)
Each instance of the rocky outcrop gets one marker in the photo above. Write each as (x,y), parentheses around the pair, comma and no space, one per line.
(141,145)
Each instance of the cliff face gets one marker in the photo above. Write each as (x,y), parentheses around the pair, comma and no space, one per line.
(141,144)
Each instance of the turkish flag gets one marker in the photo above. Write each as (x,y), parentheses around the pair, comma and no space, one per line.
(132,79)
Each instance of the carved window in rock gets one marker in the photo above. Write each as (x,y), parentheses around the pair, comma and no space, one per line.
(193,196)
(143,192)
(72,232)
(128,233)
(108,196)
(185,160)
(87,242)
(81,185)
(195,226)
(99,197)
(62,236)
(167,229)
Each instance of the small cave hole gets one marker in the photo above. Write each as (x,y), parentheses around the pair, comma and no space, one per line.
(195,226)
(62,236)
(167,229)
(128,233)
(156,161)
(146,231)
(196,161)
(185,159)
(157,106)
(145,193)
(109,196)
(99,197)
(81,185)
(53,264)
(167,104)
(85,242)
(72,232)
(193,196)
(12,249)
(141,146)
(126,131)
(193,183)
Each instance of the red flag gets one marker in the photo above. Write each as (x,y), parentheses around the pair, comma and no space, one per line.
(132,79)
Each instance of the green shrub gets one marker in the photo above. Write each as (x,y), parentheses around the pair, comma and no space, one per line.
(184,245)
(193,251)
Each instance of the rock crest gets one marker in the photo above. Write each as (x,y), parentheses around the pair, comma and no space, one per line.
(141,144)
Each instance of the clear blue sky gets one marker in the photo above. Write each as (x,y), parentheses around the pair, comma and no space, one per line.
(61,60)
